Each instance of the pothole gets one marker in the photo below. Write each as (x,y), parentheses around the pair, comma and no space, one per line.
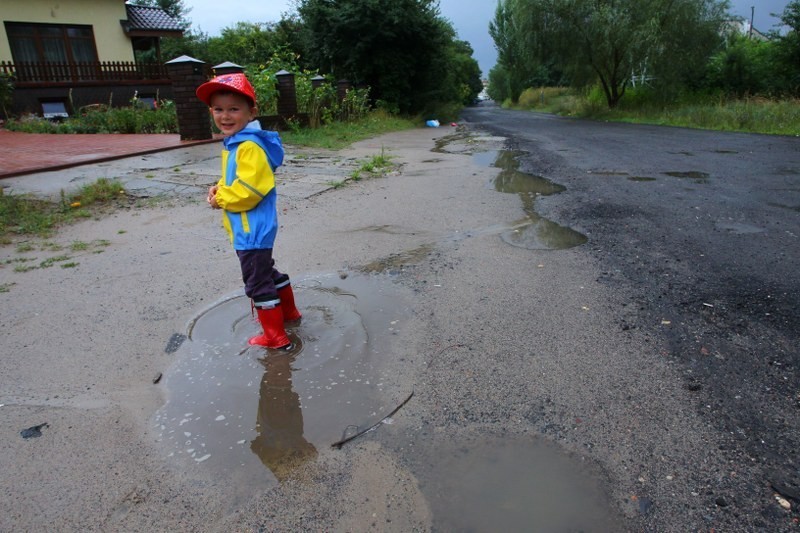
(252,416)
(697,176)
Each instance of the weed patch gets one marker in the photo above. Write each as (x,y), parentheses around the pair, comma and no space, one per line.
(337,135)
(25,215)
(751,115)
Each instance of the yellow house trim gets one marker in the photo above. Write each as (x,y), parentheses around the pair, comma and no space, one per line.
(102,15)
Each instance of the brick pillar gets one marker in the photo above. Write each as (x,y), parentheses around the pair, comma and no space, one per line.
(227,68)
(317,81)
(342,86)
(187,74)
(287,96)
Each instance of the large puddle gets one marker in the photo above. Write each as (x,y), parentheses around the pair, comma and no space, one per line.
(509,483)
(533,232)
(251,416)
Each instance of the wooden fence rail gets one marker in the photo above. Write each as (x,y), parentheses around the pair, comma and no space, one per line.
(30,73)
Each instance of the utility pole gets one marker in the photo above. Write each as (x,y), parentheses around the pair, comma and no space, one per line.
(752,17)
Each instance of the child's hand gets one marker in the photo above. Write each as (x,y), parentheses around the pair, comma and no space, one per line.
(212,197)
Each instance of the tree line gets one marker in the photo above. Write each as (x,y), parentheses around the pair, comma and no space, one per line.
(406,54)
(672,47)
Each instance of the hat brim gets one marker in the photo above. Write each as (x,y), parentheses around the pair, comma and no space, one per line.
(205,91)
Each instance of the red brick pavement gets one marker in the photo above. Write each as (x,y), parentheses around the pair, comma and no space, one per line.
(26,153)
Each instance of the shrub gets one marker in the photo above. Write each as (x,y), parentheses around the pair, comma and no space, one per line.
(102,119)
(6,92)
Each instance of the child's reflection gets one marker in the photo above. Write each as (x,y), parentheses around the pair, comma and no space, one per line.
(280,443)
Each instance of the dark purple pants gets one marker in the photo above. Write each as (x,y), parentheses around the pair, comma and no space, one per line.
(261,279)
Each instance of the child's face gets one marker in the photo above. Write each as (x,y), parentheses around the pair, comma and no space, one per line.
(231,112)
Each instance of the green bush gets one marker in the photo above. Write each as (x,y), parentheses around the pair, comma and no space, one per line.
(6,92)
(102,119)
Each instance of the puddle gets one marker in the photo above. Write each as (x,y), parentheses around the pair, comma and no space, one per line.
(396,262)
(783,206)
(463,141)
(698,177)
(533,232)
(740,228)
(252,416)
(509,484)
(606,173)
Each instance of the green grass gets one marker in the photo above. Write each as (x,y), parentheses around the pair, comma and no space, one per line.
(47,263)
(338,135)
(24,215)
(752,115)
(26,264)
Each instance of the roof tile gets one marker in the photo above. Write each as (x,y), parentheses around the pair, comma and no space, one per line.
(151,18)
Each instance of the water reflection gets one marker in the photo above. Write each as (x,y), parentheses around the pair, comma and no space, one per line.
(279,442)
(233,409)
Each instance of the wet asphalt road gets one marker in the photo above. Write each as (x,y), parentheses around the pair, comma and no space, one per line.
(698,232)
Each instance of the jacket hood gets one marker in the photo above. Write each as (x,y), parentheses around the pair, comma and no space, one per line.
(270,141)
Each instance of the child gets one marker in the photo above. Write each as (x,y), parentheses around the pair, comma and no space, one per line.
(246,194)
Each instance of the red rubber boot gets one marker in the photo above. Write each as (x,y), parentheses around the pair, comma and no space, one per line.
(290,312)
(274,334)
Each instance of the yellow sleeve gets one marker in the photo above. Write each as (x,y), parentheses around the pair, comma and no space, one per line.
(254,180)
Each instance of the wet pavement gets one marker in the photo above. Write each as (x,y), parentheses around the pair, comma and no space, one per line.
(28,153)
(148,165)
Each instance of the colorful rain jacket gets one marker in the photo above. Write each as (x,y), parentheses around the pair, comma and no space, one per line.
(246,190)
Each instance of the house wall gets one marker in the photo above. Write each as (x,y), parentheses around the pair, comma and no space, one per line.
(103,15)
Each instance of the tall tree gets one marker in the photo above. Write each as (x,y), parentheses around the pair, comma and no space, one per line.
(609,41)
(524,39)
(789,48)
(392,46)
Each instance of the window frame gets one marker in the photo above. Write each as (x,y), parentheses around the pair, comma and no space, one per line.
(36,31)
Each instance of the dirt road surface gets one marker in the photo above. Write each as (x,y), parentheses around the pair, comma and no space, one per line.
(519,404)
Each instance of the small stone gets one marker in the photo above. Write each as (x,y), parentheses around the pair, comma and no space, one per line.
(721,502)
(34,431)
(783,502)
(174,342)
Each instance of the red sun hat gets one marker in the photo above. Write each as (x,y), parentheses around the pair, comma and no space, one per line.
(237,83)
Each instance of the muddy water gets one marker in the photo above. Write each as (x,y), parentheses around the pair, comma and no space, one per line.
(533,232)
(505,483)
(251,416)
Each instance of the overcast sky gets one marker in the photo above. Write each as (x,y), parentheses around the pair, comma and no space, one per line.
(469,17)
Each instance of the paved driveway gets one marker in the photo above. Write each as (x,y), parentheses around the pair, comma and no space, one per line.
(25,153)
